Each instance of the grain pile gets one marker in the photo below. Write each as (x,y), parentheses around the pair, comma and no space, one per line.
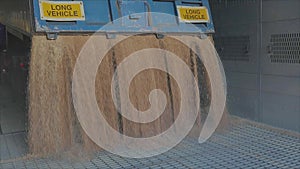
(53,126)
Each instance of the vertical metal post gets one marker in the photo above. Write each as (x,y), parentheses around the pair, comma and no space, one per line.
(259,60)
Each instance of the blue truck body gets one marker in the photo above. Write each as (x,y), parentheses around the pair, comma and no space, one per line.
(24,16)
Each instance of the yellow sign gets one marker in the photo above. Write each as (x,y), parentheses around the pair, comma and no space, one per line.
(62,10)
(193,14)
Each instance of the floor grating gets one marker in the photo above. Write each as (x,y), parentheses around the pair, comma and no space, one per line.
(243,145)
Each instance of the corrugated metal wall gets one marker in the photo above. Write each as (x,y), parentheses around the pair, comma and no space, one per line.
(259,44)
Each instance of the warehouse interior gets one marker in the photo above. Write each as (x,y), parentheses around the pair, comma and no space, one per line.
(258,42)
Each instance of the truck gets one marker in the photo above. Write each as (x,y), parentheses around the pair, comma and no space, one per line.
(44,38)
(51,50)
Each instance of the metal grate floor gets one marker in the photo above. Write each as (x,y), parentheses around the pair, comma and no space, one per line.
(242,145)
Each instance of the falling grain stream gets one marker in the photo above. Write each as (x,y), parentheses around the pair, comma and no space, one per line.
(53,125)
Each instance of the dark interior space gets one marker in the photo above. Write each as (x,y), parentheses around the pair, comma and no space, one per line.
(13,85)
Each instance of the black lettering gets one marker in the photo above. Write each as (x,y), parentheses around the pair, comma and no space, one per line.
(49,13)
(69,7)
(62,10)
(63,7)
(66,13)
(57,7)
(53,13)
(193,11)
(76,13)
(193,17)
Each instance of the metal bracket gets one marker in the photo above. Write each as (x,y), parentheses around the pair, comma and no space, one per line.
(52,35)
(111,36)
(135,16)
(203,36)
(159,36)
